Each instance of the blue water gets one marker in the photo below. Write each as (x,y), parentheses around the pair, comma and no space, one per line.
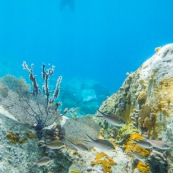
(99,40)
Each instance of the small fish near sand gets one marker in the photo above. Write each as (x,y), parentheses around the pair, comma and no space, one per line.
(101,143)
(158,144)
(44,161)
(78,147)
(112,119)
(139,156)
(143,143)
(56,144)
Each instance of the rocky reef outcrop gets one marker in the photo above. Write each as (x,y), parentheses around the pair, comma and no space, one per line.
(145,101)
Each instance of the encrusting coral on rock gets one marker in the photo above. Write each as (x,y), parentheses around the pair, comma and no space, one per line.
(147,94)
(142,97)
(105,161)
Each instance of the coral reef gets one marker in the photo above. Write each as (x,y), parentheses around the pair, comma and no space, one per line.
(142,97)
(47,100)
(126,131)
(147,121)
(105,161)
(147,95)
(39,108)
(130,146)
(143,168)
(15,138)
(144,101)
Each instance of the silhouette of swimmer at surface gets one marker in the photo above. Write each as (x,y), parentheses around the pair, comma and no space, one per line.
(69,3)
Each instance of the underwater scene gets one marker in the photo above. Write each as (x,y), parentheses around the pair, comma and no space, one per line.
(86,86)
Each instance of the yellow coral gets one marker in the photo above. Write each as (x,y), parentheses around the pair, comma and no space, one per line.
(105,161)
(164,95)
(161,99)
(143,168)
(130,146)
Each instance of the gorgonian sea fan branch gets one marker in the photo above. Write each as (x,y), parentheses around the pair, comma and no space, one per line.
(46,112)
(32,77)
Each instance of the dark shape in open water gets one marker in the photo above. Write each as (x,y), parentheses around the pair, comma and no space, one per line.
(69,3)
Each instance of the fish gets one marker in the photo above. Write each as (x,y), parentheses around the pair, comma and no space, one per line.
(112,119)
(143,144)
(158,144)
(101,143)
(139,156)
(78,147)
(44,161)
(56,144)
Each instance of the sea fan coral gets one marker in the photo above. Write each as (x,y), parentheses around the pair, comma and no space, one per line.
(37,108)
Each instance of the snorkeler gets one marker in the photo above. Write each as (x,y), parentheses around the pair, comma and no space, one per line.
(69,3)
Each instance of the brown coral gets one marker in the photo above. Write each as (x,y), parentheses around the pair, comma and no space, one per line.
(147,120)
(142,97)
(30,134)
(145,111)
(15,138)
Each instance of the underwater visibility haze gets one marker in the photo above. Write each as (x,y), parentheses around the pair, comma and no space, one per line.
(98,40)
